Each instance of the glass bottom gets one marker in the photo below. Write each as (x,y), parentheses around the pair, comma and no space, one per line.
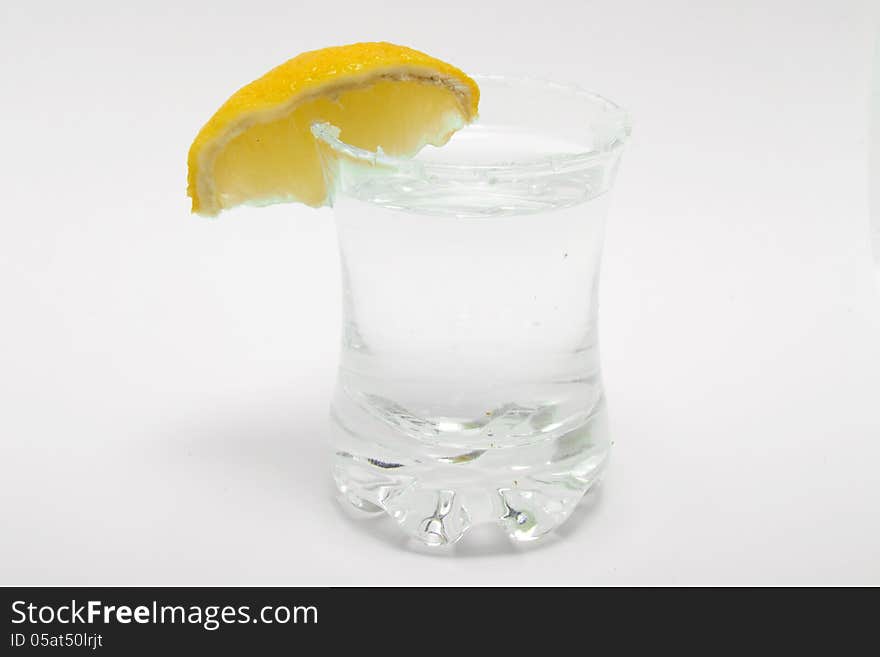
(523,467)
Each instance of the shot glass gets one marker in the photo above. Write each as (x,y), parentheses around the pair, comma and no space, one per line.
(469,389)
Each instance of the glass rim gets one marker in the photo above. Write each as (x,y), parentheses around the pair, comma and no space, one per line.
(606,150)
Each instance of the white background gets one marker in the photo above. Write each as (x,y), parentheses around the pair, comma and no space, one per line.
(164,378)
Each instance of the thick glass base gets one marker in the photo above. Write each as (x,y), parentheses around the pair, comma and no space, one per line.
(436,493)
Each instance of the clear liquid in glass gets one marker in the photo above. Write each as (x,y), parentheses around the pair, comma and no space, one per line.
(469,386)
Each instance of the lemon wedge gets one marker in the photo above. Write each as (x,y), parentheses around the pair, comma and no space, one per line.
(258,147)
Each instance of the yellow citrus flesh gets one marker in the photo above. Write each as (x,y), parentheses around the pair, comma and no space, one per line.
(258,147)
